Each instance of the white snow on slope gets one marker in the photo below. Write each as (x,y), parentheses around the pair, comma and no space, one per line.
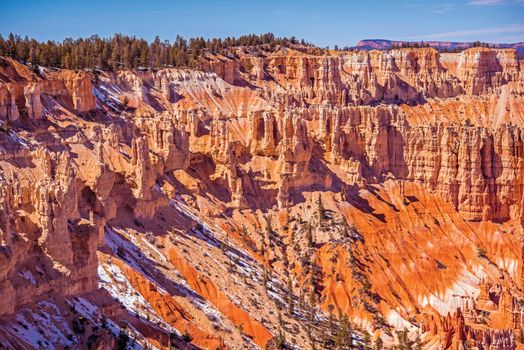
(28,276)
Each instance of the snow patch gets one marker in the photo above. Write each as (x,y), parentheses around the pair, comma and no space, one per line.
(398,321)
(116,283)
(28,276)
(452,298)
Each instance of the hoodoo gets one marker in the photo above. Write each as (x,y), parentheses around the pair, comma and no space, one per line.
(261,193)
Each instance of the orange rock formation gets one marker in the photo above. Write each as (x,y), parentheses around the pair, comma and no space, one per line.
(260,197)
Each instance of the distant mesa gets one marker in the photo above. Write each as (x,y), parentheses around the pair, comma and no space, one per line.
(384,44)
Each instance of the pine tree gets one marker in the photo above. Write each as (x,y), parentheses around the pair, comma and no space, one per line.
(404,343)
(309,235)
(10,45)
(379,344)
(280,341)
(265,278)
(2,46)
(289,296)
(366,339)
(269,230)
(343,337)
(320,210)
(418,343)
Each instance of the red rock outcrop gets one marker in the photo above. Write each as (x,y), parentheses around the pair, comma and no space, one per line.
(482,69)
(22,90)
(74,86)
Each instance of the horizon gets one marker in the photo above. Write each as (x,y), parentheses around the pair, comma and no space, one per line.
(6,35)
(321,23)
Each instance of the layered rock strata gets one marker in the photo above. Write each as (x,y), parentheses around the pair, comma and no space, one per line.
(409,137)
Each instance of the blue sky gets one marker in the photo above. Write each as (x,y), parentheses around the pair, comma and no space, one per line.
(328,22)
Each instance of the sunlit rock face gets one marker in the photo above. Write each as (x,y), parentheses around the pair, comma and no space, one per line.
(262,194)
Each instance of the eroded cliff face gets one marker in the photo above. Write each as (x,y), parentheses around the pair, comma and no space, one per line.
(384,186)
(23,90)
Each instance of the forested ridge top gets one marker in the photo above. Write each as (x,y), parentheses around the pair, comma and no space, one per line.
(123,51)
(129,52)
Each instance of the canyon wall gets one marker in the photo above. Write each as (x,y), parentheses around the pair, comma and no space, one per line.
(84,151)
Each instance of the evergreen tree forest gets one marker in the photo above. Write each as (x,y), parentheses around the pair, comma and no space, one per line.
(123,51)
